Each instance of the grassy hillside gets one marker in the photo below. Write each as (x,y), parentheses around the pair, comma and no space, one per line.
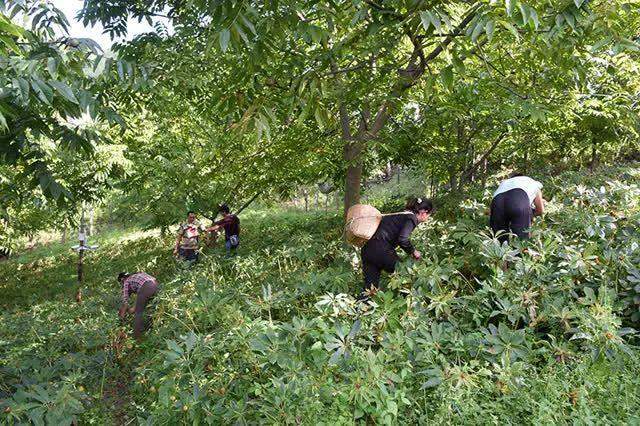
(274,335)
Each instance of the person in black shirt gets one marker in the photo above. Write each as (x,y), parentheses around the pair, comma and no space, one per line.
(231,224)
(379,253)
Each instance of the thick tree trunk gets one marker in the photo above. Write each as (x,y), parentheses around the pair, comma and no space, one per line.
(353,158)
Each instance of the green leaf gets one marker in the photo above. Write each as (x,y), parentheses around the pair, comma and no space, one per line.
(317,113)
(600,43)
(225,36)
(477,31)
(578,3)
(8,41)
(630,45)
(425,18)
(55,189)
(447,77)
(3,122)
(534,18)
(120,68)
(432,382)
(571,20)
(509,26)
(52,67)
(435,20)
(43,91)
(9,27)
(44,181)
(489,29)
(524,11)
(64,90)
(510,6)
(458,64)
(248,24)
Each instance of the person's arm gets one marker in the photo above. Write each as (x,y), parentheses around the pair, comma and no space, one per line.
(125,300)
(403,239)
(180,234)
(219,224)
(539,203)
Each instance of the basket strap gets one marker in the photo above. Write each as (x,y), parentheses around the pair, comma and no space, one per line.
(393,214)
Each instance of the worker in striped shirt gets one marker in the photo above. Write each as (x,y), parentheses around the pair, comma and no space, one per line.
(146,287)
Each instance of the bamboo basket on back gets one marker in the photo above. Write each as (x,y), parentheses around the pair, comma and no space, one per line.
(362,222)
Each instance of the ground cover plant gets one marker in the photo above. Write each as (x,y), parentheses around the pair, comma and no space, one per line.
(275,335)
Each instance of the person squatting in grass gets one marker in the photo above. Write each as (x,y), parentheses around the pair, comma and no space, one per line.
(379,253)
(146,287)
(513,206)
(231,224)
(187,243)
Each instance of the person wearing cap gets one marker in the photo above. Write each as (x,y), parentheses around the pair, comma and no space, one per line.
(145,287)
(379,253)
(231,225)
(513,206)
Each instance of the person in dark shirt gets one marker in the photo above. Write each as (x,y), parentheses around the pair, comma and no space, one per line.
(379,253)
(231,225)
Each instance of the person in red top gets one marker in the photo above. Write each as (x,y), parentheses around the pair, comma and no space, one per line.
(231,224)
(146,287)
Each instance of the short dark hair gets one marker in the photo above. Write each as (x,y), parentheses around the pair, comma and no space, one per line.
(190,211)
(417,204)
(515,174)
(122,275)
(223,208)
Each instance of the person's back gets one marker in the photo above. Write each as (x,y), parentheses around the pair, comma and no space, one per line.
(396,229)
(231,224)
(379,254)
(513,206)
(528,185)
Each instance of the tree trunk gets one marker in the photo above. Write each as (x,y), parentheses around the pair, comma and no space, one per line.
(352,156)
(594,155)
(305,193)
(63,238)
(90,230)
(317,200)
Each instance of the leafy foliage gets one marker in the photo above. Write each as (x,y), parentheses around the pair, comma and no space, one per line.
(275,335)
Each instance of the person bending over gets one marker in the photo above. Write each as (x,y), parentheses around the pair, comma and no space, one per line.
(146,287)
(231,224)
(187,243)
(379,253)
(513,206)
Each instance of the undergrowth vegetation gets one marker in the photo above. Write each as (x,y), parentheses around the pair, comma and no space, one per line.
(275,335)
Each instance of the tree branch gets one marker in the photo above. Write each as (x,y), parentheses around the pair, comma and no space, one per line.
(475,165)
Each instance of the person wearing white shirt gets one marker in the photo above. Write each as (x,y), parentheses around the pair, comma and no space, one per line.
(514,204)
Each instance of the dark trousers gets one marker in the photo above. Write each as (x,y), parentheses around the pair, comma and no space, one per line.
(377,256)
(145,294)
(511,212)
(190,255)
